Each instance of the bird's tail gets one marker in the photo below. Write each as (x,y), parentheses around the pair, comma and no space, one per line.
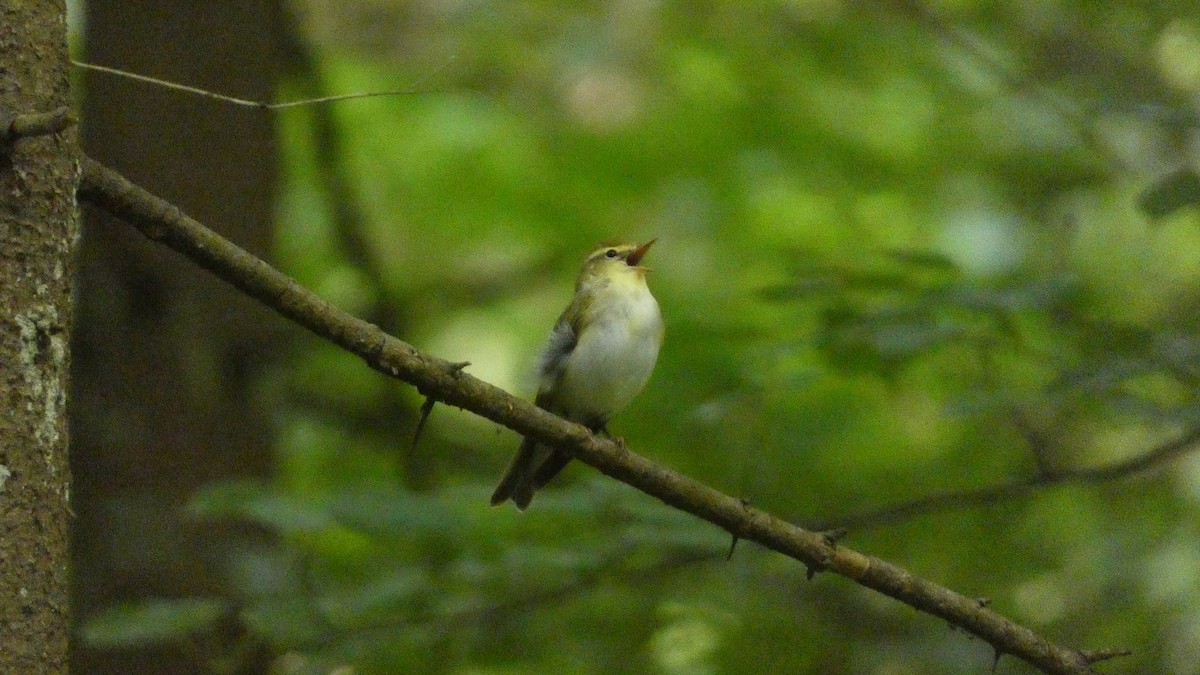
(518,482)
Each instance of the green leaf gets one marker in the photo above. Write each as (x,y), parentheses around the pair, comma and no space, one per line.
(1171,193)
(926,259)
(260,504)
(384,511)
(378,595)
(152,621)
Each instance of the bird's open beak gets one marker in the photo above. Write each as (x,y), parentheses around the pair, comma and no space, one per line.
(638,253)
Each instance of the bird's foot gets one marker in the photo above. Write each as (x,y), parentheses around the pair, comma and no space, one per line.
(832,537)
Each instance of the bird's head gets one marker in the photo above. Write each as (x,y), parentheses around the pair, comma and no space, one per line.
(615,261)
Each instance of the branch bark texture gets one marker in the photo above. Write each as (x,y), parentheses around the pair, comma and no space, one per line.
(445,382)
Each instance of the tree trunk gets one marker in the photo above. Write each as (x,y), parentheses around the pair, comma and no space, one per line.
(39,229)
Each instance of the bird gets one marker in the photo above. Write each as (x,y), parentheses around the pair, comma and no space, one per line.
(597,359)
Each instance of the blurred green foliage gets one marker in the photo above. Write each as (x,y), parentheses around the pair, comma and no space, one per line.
(904,249)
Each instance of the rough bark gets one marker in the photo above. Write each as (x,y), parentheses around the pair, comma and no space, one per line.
(38,233)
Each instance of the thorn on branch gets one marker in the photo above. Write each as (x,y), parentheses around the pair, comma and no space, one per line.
(427,407)
(1098,655)
(13,127)
(831,538)
(734,541)
(983,603)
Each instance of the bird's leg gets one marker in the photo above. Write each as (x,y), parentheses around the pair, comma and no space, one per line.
(832,537)
(603,432)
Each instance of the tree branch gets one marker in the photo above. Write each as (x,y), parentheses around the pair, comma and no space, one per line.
(433,377)
(1045,477)
(34,124)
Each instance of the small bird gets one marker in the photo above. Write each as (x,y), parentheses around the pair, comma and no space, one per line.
(598,357)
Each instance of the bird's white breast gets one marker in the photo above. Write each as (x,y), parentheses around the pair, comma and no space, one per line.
(614,355)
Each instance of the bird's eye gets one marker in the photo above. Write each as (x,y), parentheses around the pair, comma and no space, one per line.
(610,253)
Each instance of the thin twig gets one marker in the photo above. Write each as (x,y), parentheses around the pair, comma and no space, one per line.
(1099,655)
(986,496)
(261,105)
(422,418)
(163,222)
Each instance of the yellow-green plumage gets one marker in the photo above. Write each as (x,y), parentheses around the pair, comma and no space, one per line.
(599,356)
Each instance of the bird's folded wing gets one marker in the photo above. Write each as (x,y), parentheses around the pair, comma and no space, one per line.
(558,347)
